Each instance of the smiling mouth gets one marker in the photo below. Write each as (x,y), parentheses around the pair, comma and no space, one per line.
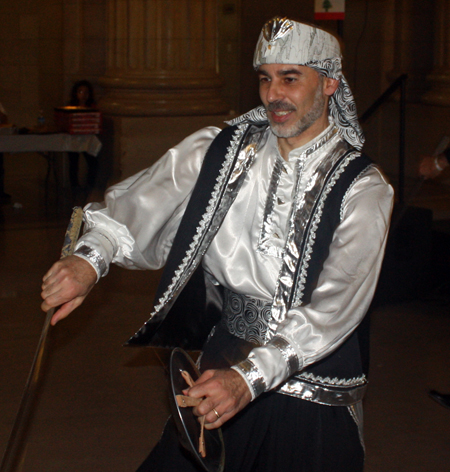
(280,110)
(279,117)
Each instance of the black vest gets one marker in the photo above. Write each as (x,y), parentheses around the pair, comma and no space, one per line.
(185,319)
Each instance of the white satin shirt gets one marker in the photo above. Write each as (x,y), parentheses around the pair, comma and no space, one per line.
(136,225)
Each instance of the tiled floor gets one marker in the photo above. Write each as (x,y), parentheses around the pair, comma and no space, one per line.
(102,406)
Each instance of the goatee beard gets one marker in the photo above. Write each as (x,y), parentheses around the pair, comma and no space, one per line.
(315,112)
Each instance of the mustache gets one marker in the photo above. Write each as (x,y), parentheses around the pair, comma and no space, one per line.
(279,105)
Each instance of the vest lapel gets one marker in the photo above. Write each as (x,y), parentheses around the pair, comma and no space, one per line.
(222,174)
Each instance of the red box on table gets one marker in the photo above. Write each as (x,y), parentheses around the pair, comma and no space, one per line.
(78,120)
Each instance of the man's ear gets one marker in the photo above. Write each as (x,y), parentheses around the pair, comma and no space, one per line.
(330,86)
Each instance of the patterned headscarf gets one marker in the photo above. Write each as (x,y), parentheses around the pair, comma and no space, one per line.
(284,41)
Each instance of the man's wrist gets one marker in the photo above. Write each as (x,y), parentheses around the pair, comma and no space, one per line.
(94,258)
(252,376)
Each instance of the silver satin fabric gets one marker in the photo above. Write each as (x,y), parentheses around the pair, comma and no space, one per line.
(284,41)
(136,224)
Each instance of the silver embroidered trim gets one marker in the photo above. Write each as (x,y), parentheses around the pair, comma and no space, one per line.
(332,396)
(246,317)
(334,382)
(264,243)
(324,140)
(181,273)
(94,257)
(315,223)
(301,214)
(288,353)
(344,200)
(253,376)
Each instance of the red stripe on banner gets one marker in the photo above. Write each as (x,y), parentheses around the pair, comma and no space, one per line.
(329,16)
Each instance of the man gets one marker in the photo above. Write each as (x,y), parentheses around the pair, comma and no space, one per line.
(288,222)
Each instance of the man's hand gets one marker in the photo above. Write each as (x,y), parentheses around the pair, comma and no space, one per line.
(428,167)
(225,391)
(67,284)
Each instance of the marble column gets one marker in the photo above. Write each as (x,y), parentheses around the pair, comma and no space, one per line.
(162,59)
(439,78)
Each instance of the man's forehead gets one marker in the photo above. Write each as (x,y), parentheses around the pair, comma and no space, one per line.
(284,68)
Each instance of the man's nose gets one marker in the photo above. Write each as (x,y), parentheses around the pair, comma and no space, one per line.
(274,92)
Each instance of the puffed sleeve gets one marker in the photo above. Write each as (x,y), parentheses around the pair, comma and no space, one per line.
(343,294)
(134,227)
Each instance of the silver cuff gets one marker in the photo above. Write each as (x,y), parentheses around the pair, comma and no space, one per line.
(94,258)
(253,376)
(288,353)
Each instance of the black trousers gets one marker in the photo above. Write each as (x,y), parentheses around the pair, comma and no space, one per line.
(274,433)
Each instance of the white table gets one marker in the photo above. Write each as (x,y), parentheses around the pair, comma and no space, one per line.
(49,145)
(60,142)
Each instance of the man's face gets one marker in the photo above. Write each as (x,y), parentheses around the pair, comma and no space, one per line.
(294,98)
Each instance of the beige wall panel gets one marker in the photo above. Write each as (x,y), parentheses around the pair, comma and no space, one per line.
(142,141)
(51,21)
